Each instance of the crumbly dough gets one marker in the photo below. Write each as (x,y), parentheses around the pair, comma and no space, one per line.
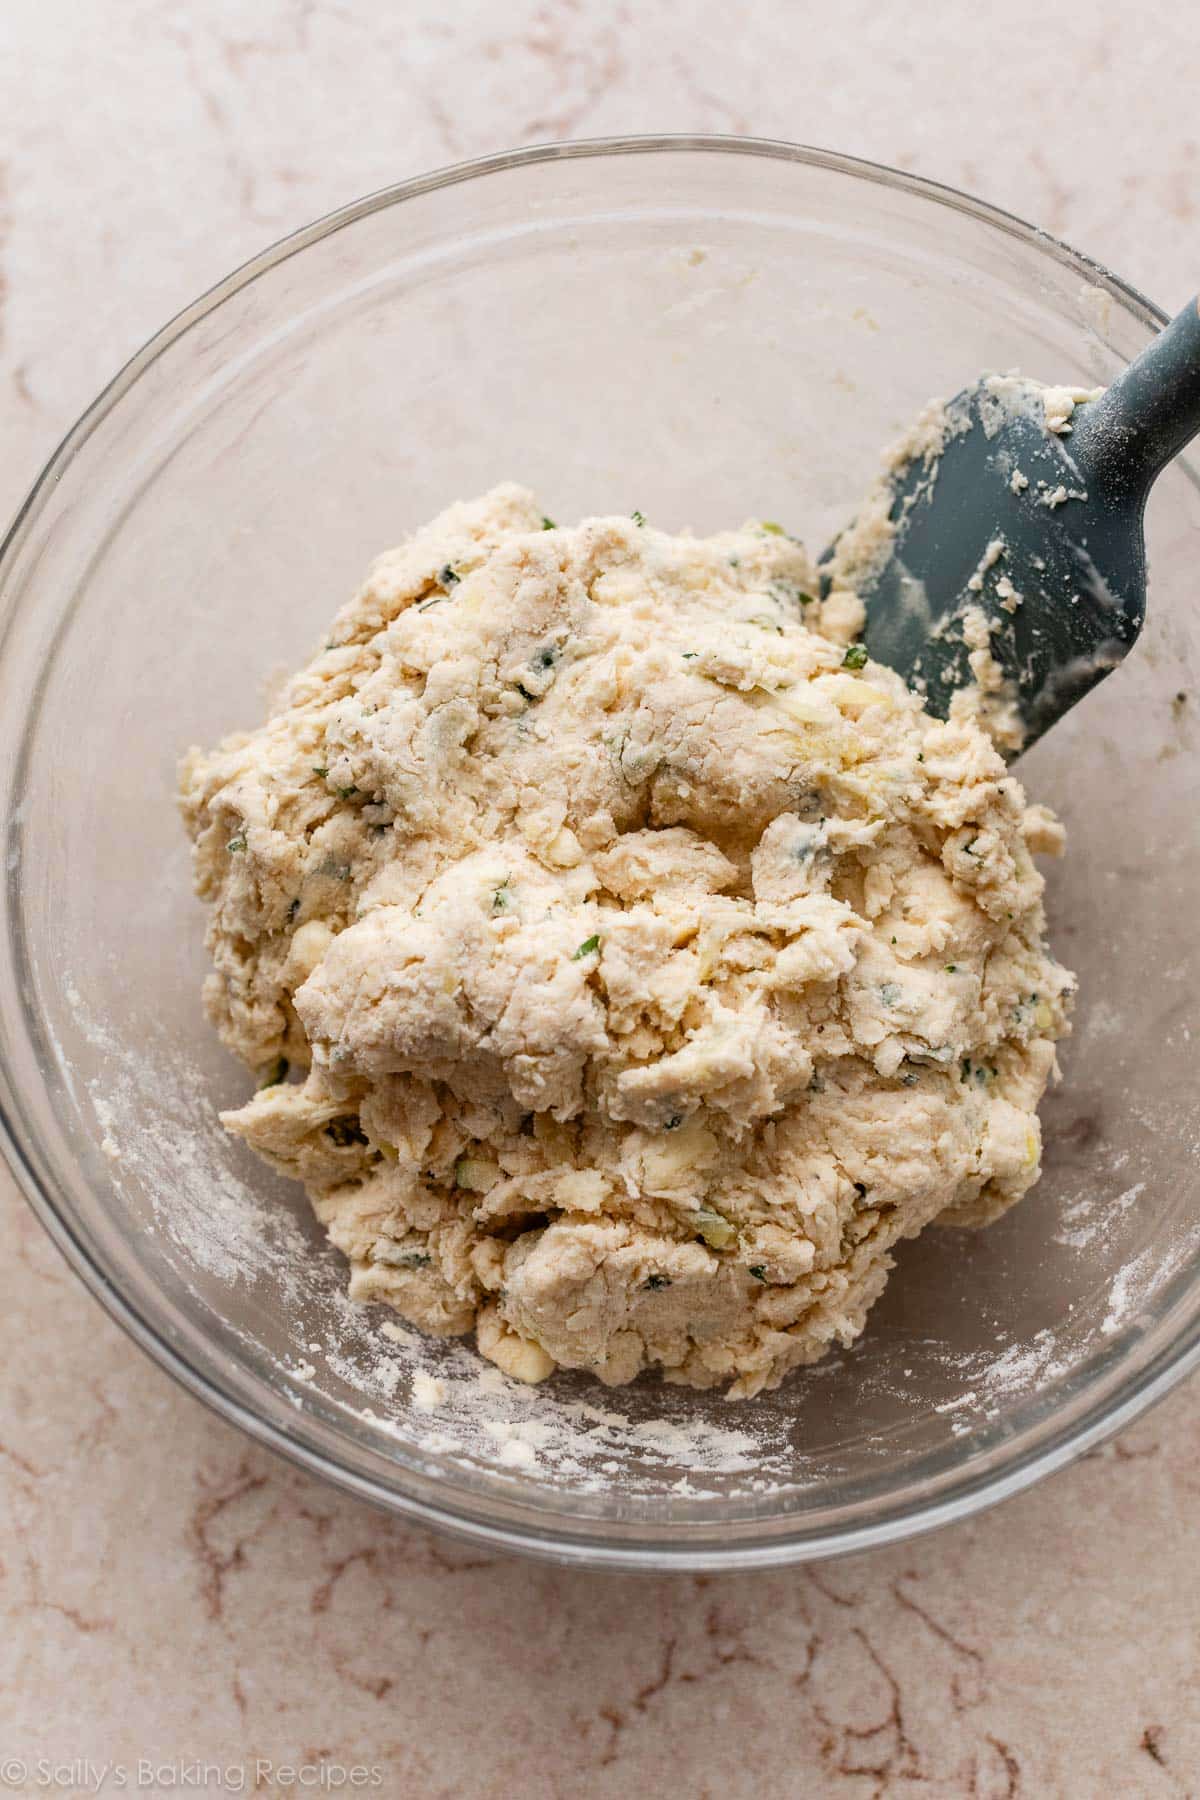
(628,962)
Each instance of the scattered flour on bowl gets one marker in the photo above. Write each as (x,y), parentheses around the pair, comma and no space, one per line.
(429,1397)
(998,1377)
(1093,1215)
(1143,1276)
(430,1400)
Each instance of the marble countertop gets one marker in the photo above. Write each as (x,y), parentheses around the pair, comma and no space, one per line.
(173,1595)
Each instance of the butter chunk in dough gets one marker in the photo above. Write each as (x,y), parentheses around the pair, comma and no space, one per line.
(644,969)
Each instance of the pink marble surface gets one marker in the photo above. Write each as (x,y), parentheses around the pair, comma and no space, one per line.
(170,1592)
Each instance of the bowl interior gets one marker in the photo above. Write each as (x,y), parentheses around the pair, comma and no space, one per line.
(703,333)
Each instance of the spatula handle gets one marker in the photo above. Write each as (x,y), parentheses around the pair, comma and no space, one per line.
(1123,440)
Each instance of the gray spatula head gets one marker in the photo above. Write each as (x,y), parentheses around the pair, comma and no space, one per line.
(1022,537)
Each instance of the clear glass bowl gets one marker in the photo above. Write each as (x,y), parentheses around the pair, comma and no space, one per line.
(703,329)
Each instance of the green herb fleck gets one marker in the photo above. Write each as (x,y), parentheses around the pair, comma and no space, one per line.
(318,770)
(657,1281)
(969,849)
(790,592)
(502,899)
(548,523)
(587,947)
(690,655)
(405,1259)
(638,517)
(952,968)
(674,1122)
(344,1132)
(275,1074)
(292,910)
(855,657)
(758,1270)
(920,756)
(346,792)
(448,576)
(774,529)
(236,843)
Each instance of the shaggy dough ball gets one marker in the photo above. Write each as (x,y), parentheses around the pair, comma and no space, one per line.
(627,961)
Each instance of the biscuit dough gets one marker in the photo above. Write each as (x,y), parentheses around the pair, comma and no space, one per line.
(626,960)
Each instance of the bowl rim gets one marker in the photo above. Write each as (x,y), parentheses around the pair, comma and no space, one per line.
(653,1551)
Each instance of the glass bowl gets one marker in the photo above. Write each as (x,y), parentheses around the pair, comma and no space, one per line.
(703,329)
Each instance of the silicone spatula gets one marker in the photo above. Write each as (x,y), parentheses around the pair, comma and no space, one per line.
(1040,528)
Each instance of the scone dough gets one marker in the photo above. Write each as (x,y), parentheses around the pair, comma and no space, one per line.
(627,961)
